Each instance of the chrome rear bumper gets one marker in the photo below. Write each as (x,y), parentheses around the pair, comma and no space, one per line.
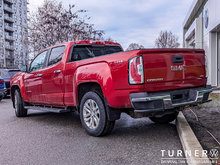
(151,102)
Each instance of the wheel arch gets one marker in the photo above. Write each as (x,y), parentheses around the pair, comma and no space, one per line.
(112,113)
(13,89)
(83,88)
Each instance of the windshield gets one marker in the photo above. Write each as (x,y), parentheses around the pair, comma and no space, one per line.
(87,51)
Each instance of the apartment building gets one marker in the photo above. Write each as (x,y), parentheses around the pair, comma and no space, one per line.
(13,33)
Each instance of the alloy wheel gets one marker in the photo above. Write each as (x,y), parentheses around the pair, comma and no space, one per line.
(91,114)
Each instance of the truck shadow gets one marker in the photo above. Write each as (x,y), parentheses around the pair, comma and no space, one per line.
(125,126)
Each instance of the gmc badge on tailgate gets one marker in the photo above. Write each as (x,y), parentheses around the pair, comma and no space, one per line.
(178,68)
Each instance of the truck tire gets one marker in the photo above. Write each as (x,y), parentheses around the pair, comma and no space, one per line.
(20,111)
(165,119)
(1,97)
(93,115)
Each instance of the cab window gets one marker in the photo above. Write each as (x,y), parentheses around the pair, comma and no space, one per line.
(81,52)
(38,62)
(56,55)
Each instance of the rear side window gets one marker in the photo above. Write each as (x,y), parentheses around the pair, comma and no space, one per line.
(88,51)
(56,55)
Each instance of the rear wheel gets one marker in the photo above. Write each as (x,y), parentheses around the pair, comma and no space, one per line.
(165,119)
(20,111)
(1,97)
(93,115)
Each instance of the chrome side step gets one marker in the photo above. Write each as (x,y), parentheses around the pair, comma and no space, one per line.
(48,109)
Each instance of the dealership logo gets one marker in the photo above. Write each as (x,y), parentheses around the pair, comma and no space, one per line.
(184,156)
(213,153)
(206,18)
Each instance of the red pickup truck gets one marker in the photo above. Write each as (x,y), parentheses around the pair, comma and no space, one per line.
(100,81)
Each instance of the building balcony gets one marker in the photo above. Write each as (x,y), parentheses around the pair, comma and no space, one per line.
(10,63)
(8,9)
(10,19)
(9,47)
(7,37)
(9,56)
(9,28)
(9,1)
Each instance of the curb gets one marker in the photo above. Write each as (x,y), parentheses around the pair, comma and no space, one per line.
(190,142)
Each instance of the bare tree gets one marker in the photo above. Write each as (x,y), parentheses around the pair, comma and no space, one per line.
(53,24)
(110,39)
(167,40)
(134,46)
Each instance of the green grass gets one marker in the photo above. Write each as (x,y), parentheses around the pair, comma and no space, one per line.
(215,101)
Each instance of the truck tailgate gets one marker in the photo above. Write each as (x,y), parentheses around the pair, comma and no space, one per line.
(173,68)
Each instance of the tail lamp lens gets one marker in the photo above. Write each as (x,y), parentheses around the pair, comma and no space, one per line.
(136,71)
(2,81)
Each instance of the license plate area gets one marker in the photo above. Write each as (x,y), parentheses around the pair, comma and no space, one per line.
(182,96)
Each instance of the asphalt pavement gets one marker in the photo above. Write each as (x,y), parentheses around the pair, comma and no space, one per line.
(48,138)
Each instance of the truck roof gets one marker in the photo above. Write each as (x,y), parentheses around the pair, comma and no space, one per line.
(83,42)
(90,42)
(87,42)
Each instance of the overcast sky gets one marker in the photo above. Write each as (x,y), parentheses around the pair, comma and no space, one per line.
(128,21)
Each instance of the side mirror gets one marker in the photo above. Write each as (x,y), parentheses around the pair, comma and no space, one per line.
(24,68)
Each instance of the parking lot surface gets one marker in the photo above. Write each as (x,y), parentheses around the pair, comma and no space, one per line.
(48,138)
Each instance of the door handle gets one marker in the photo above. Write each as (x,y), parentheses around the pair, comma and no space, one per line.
(57,71)
(38,75)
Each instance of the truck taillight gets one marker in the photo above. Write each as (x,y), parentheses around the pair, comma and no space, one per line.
(97,42)
(136,71)
(2,81)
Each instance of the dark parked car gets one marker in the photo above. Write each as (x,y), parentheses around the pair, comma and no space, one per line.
(7,74)
(2,88)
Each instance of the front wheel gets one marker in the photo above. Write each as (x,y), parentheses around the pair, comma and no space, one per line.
(165,119)
(20,111)
(93,115)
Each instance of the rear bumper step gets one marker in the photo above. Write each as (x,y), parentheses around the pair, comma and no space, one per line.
(160,101)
